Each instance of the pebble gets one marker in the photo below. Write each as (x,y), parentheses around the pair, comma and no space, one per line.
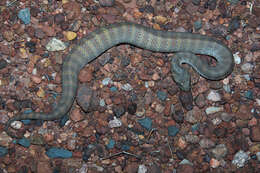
(5,140)
(162,95)
(214,163)
(193,116)
(115,123)
(255,134)
(107,81)
(142,169)
(16,125)
(106,3)
(70,35)
(200,101)
(3,151)
(212,110)
(3,63)
(194,139)
(55,152)
(206,143)
(145,123)
(118,111)
(226,116)
(111,144)
(240,159)
(237,58)
(131,109)
(214,96)
(197,25)
(159,108)
(25,15)
(258,156)
(24,142)
(173,130)
(220,151)
(196,2)
(249,95)
(247,68)
(102,103)
(55,45)
(40,93)
(127,87)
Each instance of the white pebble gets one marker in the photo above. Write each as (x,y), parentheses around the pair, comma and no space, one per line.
(240,158)
(142,169)
(16,124)
(214,96)
(237,58)
(114,123)
(212,110)
(127,87)
(55,45)
(107,81)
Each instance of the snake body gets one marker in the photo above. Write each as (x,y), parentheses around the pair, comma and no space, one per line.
(186,45)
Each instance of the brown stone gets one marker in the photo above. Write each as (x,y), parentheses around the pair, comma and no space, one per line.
(255,134)
(185,169)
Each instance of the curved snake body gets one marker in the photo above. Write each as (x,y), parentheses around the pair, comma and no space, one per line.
(185,44)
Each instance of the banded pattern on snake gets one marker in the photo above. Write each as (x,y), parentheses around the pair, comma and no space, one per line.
(186,45)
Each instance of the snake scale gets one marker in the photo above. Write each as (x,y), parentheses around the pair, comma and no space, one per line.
(184,45)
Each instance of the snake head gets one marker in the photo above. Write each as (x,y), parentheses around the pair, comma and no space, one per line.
(182,79)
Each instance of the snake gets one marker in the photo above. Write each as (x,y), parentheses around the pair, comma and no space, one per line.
(185,47)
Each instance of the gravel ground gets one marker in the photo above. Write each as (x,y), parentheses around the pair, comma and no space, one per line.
(129,115)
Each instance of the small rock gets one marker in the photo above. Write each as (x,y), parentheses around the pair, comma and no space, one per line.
(131,109)
(196,2)
(255,134)
(142,169)
(145,123)
(25,15)
(70,35)
(106,3)
(5,140)
(258,156)
(237,58)
(39,33)
(55,152)
(194,139)
(206,143)
(107,81)
(24,142)
(55,45)
(127,87)
(115,123)
(111,144)
(59,18)
(240,158)
(76,115)
(3,63)
(220,151)
(173,130)
(159,108)
(8,35)
(185,168)
(118,111)
(214,96)
(247,68)
(197,25)
(212,110)
(3,151)
(200,101)
(226,116)
(214,163)
(193,116)
(162,95)
(234,24)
